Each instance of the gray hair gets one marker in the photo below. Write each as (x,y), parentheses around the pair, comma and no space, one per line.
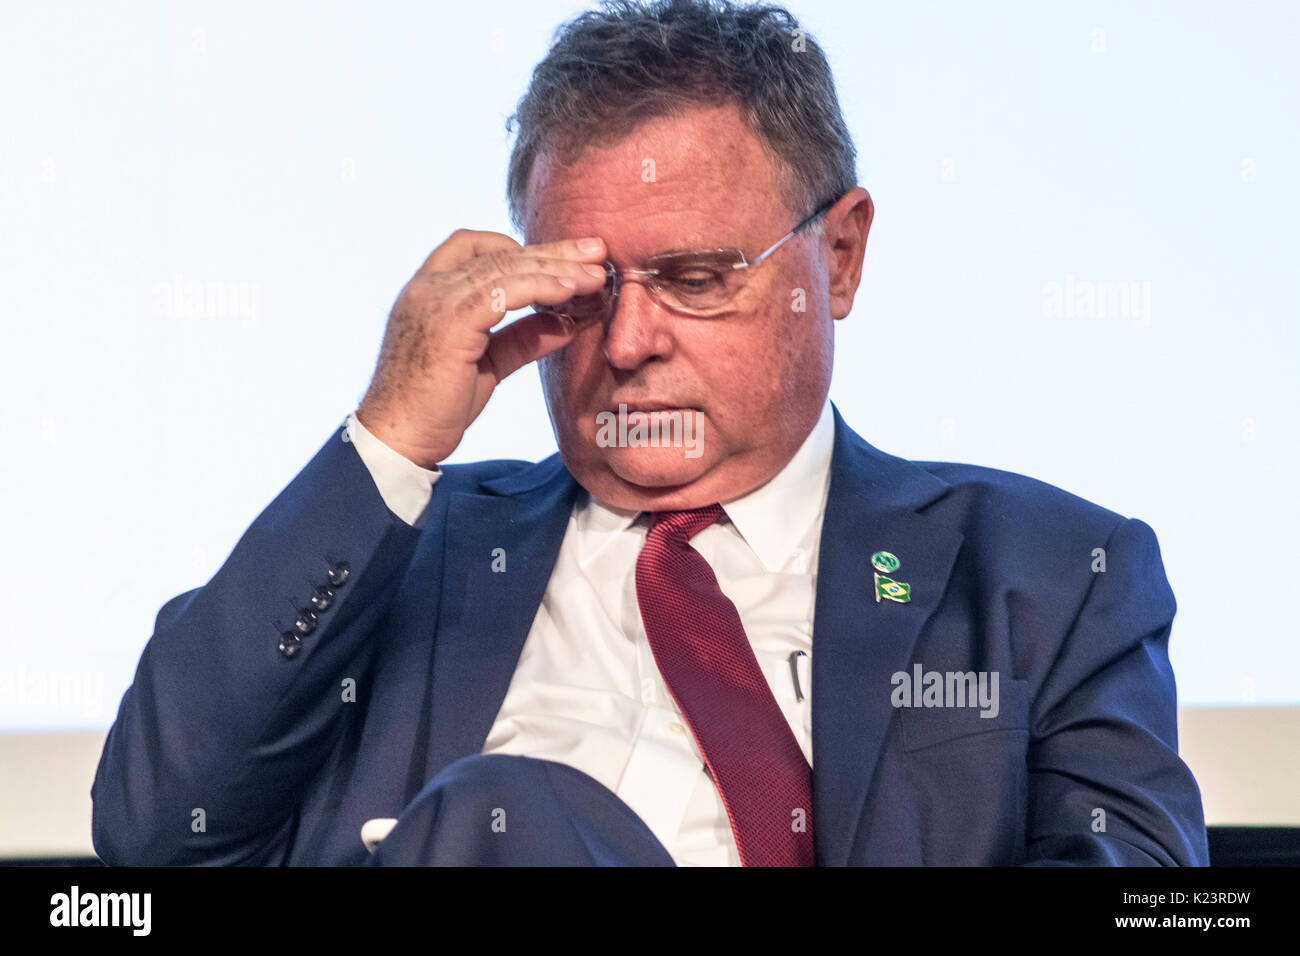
(611,69)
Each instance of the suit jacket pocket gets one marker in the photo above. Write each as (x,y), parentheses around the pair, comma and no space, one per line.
(928,726)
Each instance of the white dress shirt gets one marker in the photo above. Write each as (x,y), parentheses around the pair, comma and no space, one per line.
(586,691)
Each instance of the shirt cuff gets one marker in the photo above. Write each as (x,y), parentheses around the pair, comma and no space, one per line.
(405,487)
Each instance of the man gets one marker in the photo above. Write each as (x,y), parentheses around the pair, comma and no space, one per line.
(718,627)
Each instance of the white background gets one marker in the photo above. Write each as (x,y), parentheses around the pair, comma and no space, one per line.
(310,155)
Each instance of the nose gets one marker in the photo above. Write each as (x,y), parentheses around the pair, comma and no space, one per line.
(638,328)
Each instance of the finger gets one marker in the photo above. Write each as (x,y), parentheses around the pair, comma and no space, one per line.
(464,244)
(530,338)
(480,252)
(502,263)
(585,249)
(487,302)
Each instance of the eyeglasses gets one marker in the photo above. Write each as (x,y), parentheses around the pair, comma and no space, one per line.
(697,284)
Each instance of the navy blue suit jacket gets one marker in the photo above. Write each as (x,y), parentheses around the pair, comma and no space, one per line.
(285,770)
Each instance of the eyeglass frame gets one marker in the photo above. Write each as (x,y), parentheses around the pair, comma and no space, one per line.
(617,275)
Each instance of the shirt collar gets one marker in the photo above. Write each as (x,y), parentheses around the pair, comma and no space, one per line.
(772,518)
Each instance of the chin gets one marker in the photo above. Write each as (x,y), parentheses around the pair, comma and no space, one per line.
(644,479)
(654,468)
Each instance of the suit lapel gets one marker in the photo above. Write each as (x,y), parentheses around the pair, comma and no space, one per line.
(485,612)
(859,643)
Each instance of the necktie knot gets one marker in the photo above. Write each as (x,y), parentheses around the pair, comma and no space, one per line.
(683,525)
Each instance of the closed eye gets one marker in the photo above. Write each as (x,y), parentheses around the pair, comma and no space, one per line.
(693,278)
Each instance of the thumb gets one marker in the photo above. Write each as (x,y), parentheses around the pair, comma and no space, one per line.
(530,338)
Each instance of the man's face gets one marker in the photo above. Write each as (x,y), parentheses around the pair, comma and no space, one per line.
(753,379)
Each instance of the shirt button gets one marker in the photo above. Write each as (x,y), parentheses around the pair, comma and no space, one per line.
(677,729)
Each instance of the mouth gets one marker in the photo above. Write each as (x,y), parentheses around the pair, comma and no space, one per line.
(648,407)
(651,424)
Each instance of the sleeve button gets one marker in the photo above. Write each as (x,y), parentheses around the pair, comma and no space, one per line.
(290,643)
(339,572)
(321,598)
(306,622)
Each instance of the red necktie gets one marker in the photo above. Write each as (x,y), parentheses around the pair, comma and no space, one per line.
(708,664)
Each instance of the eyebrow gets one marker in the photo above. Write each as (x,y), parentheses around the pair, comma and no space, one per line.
(712,252)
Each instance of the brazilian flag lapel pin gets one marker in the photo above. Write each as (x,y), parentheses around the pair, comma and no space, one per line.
(887,587)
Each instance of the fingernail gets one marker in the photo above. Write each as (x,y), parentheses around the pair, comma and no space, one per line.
(567,283)
(592,244)
(593,270)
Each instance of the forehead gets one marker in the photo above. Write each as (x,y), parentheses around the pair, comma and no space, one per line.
(697,179)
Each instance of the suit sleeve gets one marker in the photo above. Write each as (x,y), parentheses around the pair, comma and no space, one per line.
(226,722)
(1106,784)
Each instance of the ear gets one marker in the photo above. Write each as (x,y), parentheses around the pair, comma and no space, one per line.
(845,234)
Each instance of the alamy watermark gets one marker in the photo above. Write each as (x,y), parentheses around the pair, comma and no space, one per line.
(1092,299)
(52,693)
(923,688)
(217,299)
(75,908)
(666,428)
